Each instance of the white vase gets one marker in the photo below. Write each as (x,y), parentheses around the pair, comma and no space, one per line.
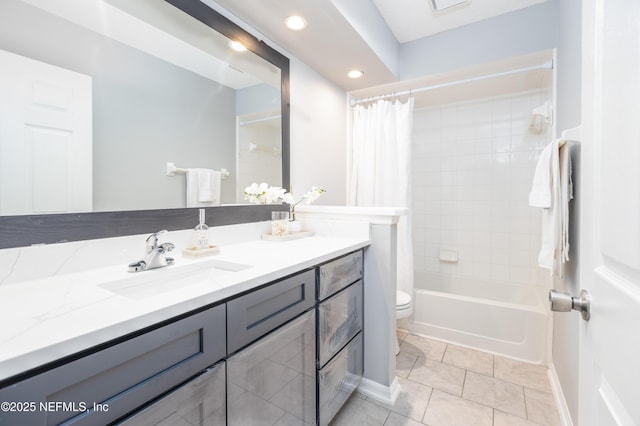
(294,226)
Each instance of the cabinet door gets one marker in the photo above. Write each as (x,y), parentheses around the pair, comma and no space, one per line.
(252,315)
(339,319)
(274,378)
(108,384)
(201,401)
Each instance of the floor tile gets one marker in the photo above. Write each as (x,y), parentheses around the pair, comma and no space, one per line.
(396,419)
(288,420)
(469,359)
(499,394)
(541,407)
(456,386)
(298,398)
(360,412)
(422,346)
(412,401)
(401,335)
(437,375)
(248,409)
(504,419)
(522,373)
(448,410)
(404,364)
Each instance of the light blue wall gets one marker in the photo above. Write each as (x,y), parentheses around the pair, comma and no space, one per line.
(369,23)
(258,98)
(513,34)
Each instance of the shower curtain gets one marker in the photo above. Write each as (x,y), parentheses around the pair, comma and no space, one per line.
(379,172)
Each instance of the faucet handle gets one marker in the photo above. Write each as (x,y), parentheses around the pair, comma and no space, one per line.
(166,247)
(152,240)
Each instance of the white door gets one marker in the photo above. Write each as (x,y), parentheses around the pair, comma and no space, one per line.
(610,216)
(45,138)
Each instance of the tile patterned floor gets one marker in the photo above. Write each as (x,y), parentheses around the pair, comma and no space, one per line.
(448,385)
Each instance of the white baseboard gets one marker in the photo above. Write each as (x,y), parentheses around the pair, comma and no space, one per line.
(558,396)
(385,394)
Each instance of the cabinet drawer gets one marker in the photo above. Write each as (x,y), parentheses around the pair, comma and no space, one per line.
(121,377)
(338,379)
(201,401)
(339,273)
(339,319)
(252,315)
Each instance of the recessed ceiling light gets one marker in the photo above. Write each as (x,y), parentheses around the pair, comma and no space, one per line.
(355,74)
(295,23)
(237,46)
(440,5)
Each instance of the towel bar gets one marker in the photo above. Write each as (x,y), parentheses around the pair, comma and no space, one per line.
(172,170)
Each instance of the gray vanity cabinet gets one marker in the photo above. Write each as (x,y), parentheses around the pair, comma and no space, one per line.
(272,376)
(256,313)
(289,352)
(339,344)
(106,385)
(200,401)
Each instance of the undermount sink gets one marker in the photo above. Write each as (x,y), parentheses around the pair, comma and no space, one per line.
(157,281)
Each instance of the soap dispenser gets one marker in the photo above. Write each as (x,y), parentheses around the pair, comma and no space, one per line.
(201,232)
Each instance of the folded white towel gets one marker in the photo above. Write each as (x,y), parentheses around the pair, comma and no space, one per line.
(203,187)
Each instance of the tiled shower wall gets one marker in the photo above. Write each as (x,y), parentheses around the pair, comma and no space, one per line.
(473,164)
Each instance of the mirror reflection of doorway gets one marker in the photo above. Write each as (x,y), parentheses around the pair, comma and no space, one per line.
(259,150)
(45,138)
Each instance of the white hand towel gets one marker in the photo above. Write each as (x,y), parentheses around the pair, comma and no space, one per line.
(541,190)
(554,248)
(204,185)
(548,173)
(203,188)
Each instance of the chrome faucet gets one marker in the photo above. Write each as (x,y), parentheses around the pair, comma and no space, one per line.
(155,256)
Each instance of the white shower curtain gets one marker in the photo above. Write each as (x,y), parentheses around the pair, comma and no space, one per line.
(379,172)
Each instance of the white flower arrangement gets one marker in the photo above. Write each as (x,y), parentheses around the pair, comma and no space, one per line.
(265,194)
(306,199)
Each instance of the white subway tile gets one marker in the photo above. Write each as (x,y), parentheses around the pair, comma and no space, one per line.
(432,264)
(499,272)
(500,240)
(499,256)
(475,163)
(482,270)
(500,144)
(520,274)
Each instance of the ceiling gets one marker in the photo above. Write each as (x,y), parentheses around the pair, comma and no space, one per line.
(358,34)
(410,20)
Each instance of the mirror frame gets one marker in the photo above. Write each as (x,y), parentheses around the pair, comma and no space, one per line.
(26,230)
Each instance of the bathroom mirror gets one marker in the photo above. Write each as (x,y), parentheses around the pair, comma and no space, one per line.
(161,84)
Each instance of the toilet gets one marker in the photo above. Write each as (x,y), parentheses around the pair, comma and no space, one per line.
(404,309)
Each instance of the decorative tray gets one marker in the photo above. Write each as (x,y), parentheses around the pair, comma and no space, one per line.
(287,237)
(196,252)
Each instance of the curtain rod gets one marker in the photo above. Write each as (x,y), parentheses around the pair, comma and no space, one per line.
(547,65)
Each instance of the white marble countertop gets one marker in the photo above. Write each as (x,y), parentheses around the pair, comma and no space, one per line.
(45,319)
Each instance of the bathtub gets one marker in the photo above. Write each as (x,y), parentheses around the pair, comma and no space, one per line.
(502,318)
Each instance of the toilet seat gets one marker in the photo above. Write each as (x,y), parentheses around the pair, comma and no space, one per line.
(404,309)
(403,301)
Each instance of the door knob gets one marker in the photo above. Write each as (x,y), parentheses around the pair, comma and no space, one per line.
(564,302)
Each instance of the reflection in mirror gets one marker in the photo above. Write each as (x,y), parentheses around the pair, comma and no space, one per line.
(97,96)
